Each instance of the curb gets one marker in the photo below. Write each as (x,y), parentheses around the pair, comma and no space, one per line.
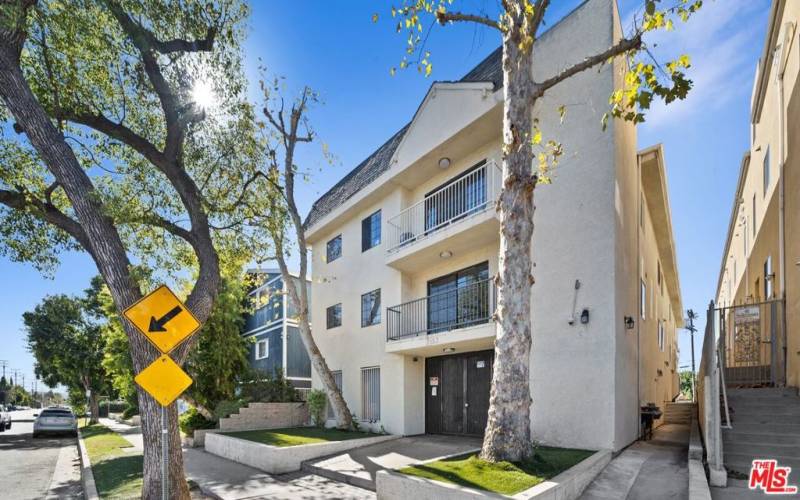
(87,477)
(698,483)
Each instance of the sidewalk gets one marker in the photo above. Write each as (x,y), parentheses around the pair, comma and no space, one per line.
(224,479)
(647,470)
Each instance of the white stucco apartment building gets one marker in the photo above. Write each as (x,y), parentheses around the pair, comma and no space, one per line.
(405,245)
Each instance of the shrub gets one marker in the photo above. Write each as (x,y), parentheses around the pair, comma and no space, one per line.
(129,412)
(225,408)
(269,389)
(192,420)
(317,401)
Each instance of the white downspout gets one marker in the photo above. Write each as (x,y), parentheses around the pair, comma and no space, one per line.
(788,36)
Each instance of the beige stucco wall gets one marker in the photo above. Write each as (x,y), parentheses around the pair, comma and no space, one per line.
(583,377)
(773,130)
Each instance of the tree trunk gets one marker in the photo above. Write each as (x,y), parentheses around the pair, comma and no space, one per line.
(508,428)
(102,241)
(94,406)
(202,410)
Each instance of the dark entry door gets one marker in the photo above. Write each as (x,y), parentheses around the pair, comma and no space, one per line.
(457,393)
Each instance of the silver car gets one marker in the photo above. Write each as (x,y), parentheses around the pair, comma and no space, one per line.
(55,420)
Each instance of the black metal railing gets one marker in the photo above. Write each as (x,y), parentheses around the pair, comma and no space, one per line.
(460,307)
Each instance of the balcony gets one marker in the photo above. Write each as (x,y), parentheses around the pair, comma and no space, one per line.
(459,213)
(459,316)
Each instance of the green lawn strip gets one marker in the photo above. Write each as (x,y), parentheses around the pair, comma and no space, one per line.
(298,435)
(505,478)
(117,473)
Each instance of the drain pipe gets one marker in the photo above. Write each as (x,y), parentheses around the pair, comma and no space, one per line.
(638,288)
(788,36)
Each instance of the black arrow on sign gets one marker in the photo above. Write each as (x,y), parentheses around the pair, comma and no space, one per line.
(157,325)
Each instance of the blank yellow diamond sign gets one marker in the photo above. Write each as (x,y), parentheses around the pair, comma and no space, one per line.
(164,380)
(162,318)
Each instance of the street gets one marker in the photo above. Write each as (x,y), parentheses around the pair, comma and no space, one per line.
(30,468)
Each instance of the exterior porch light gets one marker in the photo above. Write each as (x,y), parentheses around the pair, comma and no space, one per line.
(444,162)
(629,322)
(446,254)
(449,350)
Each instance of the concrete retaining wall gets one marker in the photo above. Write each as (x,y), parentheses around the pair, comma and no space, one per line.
(698,483)
(279,460)
(266,416)
(568,485)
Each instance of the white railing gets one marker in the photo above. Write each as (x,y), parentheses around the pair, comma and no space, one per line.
(467,195)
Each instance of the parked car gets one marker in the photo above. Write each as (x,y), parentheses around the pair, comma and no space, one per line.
(5,419)
(55,420)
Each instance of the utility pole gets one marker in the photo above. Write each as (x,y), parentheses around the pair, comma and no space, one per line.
(4,363)
(691,317)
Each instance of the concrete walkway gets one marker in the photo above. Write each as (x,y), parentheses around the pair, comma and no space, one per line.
(224,479)
(358,467)
(647,470)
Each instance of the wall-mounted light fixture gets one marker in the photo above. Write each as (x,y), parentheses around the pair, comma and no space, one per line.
(449,350)
(446,254)
(444,163)
(584,316)
(629,323)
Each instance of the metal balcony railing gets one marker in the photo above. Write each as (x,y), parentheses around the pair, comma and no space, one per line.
(467,195)
(460,307)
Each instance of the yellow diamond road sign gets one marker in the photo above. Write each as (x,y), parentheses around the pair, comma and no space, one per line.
(162,318)
(164,380)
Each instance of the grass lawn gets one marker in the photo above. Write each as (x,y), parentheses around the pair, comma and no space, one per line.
(505,478)
(298,435)
(117,473)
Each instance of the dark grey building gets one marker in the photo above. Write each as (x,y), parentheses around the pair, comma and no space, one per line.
(272,324)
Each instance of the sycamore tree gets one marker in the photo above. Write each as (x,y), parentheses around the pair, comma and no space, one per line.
(526,158)
(126,134)
(66,342)
(287,128)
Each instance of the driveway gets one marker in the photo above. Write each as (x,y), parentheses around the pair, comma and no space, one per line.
(46,467)
(359,467)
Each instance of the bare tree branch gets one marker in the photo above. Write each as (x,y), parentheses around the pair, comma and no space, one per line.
(538,15)
(444,17)
(623,46)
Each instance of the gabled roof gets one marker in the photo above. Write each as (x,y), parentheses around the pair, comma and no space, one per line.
(488,70)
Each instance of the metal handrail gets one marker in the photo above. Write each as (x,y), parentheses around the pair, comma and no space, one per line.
(467,195)
(457,308)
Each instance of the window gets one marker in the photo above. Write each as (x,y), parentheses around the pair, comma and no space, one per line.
(753,220)
(460,299)
(661,336)
(371,394)
(262,349)
(371,308)
(766,171)
(660,279)
(334,316)
(371,231)
(643,299)
(337,379)
(641,210)
(460,197)
(768,277)
(334,249)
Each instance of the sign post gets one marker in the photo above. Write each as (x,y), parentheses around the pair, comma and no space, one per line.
(166,322)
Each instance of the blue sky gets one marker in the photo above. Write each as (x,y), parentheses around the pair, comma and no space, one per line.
(346,57)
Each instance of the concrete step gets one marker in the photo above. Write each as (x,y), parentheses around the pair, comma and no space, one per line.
(355,480)
(766,450)
(765,407)
(766,427)
(734,436)
(743,463)
(763,418)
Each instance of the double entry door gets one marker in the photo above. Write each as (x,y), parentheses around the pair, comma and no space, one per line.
(457,393)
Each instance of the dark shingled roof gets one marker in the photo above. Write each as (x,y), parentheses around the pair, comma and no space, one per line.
(488,70)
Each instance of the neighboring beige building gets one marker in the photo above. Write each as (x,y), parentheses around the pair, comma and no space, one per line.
(405,246)
(761,261)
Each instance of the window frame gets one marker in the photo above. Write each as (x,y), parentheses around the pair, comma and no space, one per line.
(765,175)
(643,299)
(370,416)
(376,320)
(259,343)
(328,310)
(368,221)
(328,258)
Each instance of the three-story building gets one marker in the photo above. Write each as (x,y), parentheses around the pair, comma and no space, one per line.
(406,246)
